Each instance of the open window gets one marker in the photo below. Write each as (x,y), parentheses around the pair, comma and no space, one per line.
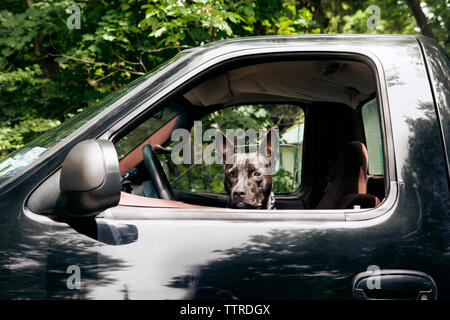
(321,106)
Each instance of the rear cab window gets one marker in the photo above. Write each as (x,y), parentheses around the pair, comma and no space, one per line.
(371,120)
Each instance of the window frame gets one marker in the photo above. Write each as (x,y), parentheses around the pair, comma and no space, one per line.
(192,78)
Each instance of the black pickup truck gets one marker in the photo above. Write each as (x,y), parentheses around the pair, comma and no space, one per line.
(85,213)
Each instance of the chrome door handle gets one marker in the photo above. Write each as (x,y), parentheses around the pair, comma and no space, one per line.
(393,284)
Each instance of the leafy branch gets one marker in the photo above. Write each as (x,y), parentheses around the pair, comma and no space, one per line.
(96,63)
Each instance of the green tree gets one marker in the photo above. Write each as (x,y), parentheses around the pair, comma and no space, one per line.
(48,72)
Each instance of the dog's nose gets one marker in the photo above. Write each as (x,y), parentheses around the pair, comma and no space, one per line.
(239,194)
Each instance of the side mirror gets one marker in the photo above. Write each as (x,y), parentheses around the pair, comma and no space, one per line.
(88,182)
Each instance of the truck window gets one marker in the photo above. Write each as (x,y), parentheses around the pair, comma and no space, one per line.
(371,122)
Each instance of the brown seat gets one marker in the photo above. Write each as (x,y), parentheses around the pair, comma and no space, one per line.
(349,186)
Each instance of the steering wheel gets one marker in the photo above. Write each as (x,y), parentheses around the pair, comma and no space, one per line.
(157,174)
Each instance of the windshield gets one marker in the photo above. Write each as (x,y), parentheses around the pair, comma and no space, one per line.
(22,158)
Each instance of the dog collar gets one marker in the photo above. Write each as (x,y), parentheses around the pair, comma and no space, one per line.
(271,202)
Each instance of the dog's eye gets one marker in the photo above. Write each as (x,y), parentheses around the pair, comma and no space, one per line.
(232,174)
(256,173)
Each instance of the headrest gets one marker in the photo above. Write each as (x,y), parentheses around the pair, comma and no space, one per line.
(350,178)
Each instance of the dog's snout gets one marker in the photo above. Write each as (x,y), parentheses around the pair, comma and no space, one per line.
(239,193)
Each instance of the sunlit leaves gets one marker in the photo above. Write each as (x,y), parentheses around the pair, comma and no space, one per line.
(291,20)
(48,71)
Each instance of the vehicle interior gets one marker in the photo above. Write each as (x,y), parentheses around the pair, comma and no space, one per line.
(325,108)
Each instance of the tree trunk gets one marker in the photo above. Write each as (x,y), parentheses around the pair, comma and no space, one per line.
(421,20)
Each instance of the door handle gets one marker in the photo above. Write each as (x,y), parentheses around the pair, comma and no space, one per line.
(393,284)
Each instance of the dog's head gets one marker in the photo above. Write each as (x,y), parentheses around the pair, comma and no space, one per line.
(248,176)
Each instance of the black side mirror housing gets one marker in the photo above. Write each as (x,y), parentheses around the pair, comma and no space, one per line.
(88,182)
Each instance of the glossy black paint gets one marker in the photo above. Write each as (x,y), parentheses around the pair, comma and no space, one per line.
(210,259)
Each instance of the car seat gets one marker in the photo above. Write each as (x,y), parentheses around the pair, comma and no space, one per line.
(349,186)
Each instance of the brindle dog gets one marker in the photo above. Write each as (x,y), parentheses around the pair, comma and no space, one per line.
(248,180)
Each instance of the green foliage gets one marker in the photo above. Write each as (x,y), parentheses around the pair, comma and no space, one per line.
(439,18)
(291,20)
(199,178)
(49,72)
(283,182)
(396,16)
(20,98)
(397,19)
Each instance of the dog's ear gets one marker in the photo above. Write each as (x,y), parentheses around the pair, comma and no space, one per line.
(224,147)
(270,143)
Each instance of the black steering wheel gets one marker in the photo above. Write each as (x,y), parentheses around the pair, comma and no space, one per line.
(157,174)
